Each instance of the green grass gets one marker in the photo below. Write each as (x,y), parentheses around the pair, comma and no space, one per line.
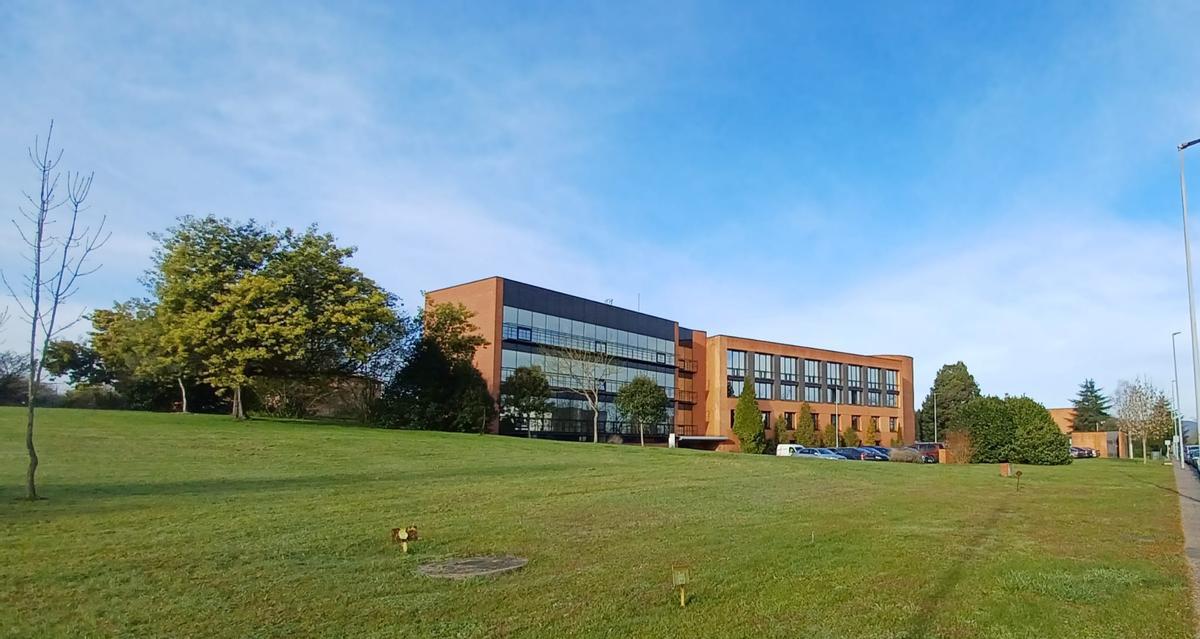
(176,526)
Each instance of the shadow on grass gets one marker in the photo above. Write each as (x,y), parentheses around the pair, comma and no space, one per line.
(921,623)
(1161,487)
(71,492)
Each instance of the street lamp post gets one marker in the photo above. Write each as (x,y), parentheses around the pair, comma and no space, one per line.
(1178,415)
(1187,256)
(935,433)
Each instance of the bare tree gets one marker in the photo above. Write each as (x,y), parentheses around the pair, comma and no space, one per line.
(1142,411)
(584,373)
(56,262)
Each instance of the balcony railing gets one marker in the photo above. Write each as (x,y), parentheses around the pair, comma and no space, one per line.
(686,396)
(686,365)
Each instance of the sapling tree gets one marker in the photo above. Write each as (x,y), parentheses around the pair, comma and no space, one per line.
(642,402)
(57,251)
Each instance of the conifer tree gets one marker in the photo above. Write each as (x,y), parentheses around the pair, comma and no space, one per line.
(871,437)
(955,386)
(806,434)
(780,432)
(747,422)
(1091,408)
(850,436)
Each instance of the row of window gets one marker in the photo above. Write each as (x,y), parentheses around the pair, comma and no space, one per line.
(587,331)
(856,422)
(553,338)
(568,415)
(833,395)
(559,370)
(788,366)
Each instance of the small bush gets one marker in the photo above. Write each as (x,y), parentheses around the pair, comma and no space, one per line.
(616,438)
(905,455)
(959,449)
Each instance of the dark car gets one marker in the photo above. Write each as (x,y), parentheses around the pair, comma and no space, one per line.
(859,454)
(882,450)
(1078,452)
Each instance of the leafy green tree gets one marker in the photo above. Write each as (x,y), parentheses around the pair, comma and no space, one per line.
(1091,408)
(524,395)
(78,363)
(992,429)
(434,392)
(779,431)
(955,386)
(747,422)
(1038,439)
(449,325)
(236,302)
(642,402)
(805,434)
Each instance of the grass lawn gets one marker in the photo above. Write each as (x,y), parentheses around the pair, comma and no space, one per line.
(161,525)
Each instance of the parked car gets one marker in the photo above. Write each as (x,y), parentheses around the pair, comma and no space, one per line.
(882,450)
(819,453)
(1078,452)
(1192,454)
(925,457)
(859,454)
(787,450)
(929,449)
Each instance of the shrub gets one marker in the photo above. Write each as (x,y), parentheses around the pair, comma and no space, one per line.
(615,438)
(1040,442)
(959,449)
(988,422)
(905,455)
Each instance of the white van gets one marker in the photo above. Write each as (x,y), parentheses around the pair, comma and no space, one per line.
(787,450)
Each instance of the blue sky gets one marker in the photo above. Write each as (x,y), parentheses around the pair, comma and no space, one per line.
(990,182)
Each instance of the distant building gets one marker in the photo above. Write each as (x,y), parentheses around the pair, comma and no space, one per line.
(1107,443)
(527,325)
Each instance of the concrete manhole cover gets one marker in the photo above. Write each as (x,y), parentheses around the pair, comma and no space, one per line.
(471,567)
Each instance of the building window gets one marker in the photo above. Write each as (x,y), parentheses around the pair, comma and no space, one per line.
(854,375)
(833,372)
(872,398)
(816,425)
(890,400)
(833,421)
(812,371)
(855,396)
(762,390)
(787,392)
(766,418)
(892,424)
(734,387)
(524,334)
(735,363)
(855,424)
(762,366)
(790,420)
(873,377)
(890,377)
(812,393)
(731,417)
(788,370)
(833,395)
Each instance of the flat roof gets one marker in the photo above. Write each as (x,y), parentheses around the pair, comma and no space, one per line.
(811,348)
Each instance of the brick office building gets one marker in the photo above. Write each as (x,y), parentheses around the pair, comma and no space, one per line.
(528,325)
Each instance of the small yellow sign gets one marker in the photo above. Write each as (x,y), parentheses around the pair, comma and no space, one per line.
(679,575)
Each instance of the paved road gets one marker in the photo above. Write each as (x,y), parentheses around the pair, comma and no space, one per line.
(1188,485)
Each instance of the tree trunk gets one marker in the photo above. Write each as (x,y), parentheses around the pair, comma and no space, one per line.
(1143,449)
(238,411)
(31,400)
(642,434)
(596,422)
(182,394)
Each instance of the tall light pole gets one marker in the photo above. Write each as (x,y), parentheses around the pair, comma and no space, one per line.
(1187,256)
(935,433)
(1178,415)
